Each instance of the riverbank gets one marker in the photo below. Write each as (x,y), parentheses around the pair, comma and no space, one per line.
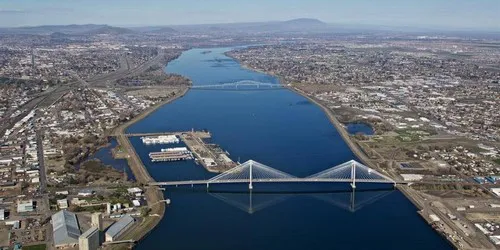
(411,195)
(154,196)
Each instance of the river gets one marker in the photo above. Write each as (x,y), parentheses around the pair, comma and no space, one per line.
(283,130)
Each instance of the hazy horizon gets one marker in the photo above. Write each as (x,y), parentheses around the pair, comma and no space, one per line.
(443,14)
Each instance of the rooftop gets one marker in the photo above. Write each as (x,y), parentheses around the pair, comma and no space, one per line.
(118,226)
(65,228)
(89,232)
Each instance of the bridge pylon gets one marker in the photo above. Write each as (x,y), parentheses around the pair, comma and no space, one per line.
(250,186)
(353,175)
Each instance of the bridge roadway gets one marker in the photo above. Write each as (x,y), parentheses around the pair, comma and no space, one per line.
(235,86)
(289,180)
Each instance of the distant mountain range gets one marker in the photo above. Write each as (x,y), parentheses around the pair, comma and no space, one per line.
(300,25)
(62,30)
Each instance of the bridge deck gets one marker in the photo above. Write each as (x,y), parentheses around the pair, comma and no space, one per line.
(245,84)
(294,180)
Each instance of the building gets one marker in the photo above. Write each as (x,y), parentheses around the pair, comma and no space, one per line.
(65,229)
(115,230)
(62,203)
(86,193)
(25,206)
(89,240)
(134,190)
(97,221)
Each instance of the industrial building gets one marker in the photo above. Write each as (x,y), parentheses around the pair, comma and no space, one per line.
(25,206)
(115,230)
(65,229)
(89,240)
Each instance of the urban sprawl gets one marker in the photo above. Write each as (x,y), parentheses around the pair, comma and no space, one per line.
(432,101)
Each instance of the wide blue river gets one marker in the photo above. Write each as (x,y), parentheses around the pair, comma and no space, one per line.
(285,131)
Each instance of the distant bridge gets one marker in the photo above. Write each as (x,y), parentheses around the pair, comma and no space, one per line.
(240,85)
(253,172)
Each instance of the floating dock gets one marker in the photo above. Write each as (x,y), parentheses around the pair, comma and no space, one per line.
(171,154)
(160,139)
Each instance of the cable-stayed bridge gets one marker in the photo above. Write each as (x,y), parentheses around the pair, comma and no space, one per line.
(244,85)
(254,172)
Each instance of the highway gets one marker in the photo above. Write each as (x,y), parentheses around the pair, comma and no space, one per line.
(125,71)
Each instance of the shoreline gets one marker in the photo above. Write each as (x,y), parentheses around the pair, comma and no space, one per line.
(338,126)
(350,143)
(331,116)
(141,174)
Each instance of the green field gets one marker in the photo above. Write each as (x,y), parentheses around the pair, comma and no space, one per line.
(35,247)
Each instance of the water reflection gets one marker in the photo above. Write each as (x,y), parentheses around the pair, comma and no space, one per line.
(252,202)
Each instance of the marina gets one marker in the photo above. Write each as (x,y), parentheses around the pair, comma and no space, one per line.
(160,139)
(209,155)
(171,154)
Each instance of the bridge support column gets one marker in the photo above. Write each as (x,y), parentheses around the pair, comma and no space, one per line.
(207,185)
(353,175)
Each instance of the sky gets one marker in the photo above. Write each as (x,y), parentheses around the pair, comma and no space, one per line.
(469,14)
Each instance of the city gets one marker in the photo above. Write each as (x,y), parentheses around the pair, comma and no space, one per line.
(121,136)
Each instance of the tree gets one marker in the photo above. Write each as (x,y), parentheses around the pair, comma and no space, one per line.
(145,211)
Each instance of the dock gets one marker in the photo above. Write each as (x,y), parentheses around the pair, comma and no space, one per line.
(200,134)
(210,156)
(171,154)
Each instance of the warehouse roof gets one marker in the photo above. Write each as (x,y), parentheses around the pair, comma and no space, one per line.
(65,228)
(115,229)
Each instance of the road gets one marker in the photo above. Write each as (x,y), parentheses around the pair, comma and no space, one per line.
(41,160)
(125,71)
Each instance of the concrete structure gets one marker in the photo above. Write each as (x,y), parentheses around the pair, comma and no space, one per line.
(65,229)
(2,214)
(119,227)
(25,206)
(97,221)
(62,203)
(89,240)
(253,172)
